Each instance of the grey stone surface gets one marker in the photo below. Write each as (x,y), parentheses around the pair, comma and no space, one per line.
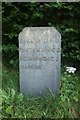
(39,60)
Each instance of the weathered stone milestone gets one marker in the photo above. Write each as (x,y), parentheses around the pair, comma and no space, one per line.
(39,60)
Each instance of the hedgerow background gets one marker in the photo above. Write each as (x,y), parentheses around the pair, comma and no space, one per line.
(65,18)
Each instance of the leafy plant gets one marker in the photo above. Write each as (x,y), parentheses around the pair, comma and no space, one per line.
(11,102)
(63,16)
(62,105)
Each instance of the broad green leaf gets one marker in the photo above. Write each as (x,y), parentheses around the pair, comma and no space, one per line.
(9,110)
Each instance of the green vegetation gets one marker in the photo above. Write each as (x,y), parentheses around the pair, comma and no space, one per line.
(65,18)
(63,105)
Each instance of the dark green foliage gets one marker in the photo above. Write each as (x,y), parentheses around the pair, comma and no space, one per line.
(63,16)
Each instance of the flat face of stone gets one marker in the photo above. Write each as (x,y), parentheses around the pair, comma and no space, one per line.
(39,60)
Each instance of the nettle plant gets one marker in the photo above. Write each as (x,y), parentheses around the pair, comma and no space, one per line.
(11,103)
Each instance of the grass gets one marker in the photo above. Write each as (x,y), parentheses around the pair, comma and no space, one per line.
(10,78)
(63,105)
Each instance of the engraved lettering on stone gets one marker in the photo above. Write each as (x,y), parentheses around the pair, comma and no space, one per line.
(39,60)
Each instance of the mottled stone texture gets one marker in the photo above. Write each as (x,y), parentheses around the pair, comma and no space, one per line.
(39,60)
